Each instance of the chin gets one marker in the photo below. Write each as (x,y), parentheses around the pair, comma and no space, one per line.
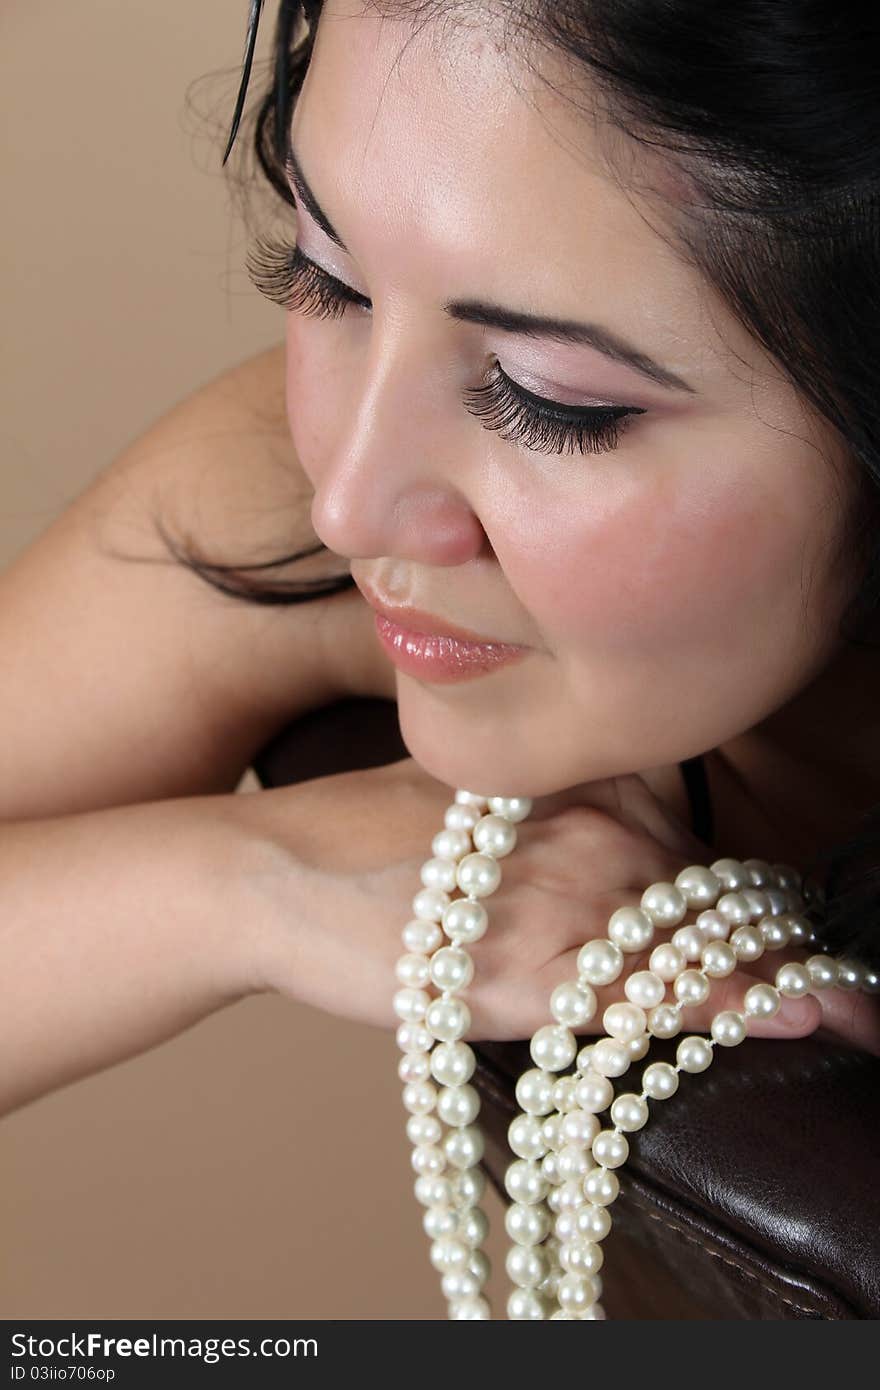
(488,766)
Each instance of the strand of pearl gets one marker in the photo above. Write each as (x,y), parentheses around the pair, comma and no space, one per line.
(564,1177)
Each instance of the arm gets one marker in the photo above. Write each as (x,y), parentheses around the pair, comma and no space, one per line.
(127,678)
(121,928)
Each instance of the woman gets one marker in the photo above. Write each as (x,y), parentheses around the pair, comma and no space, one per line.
(574,362)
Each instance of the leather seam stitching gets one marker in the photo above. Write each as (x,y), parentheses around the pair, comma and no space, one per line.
(629,1199)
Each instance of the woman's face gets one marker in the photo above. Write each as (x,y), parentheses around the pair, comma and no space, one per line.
(673,590)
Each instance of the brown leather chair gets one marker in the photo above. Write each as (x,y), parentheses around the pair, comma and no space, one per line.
(752,1193)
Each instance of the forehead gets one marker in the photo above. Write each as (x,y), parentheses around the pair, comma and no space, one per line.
(454,161)
(440,132)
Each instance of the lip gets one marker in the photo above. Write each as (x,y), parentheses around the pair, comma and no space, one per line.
(422,645)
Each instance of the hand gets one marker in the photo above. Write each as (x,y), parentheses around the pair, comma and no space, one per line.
(580,855)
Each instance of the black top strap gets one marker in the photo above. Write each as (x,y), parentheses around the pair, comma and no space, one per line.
(694,772)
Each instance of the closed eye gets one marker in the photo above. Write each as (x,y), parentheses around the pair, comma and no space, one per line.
(286,276)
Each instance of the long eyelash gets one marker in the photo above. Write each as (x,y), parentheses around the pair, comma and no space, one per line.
(542,425)
(281,272)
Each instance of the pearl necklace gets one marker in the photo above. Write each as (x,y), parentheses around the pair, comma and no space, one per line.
(564,1178)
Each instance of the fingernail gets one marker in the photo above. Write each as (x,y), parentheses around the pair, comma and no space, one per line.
(795,1016)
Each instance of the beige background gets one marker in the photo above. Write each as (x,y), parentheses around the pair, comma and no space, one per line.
(207,1178)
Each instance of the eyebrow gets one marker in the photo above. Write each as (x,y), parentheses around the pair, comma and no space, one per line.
(566,331)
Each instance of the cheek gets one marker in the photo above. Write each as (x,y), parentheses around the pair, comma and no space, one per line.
(660,570)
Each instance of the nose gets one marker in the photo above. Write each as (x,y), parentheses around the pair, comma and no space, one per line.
(388,483)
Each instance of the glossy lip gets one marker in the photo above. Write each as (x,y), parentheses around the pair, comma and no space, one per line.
(439,658)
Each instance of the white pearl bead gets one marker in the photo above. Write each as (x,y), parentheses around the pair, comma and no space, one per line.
(666,961)
(453,1063)
(473,1227)
(524,1305)
(645,988)
(448,1019)
(776,901)
(758,903)
(494,835)
(691,987)
(581,1256)
(553,1047)
(849,974)
(624,1021)
(610,1057)
(478,874)
(438,873)
(414,1037)
(525,1137)
(419,1097)
(413,970)
(660,1081)
(421,937)
(631,929)
(579,1127)
(699,885)
(747,943)
(713,925)
(451,968)
(440,1221)
(664,904)
(527,1225)
(424,1129)
(411,1004)
(639,1046)
(610,1149)
(735,908)
(760,872)
(464,1147)
(664,1021)
(599,961)
(448,1253)
(575,1293)
(459,1285)
(414,1066)
(470,1309)
(718,960)
(429,904)
(593,1222)
(573,1003)
(629,1112)
(534,1092)
(822,971)
(731,873)
(563,1093)
(433,1191)
(761,1001)
(793,980)
(515,808)
(525,1182)
(775,932)
(801,928)
(458,1105)
(594,1092)
(689,941)
(525,1266)
(787,876)
(552,1130)
(728,1028)
(468,1187)
(466,798)
(465,921)
(450,844)
(601,1186)
(572,1161)
(461,817)
(428,1158)
(693,1054)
